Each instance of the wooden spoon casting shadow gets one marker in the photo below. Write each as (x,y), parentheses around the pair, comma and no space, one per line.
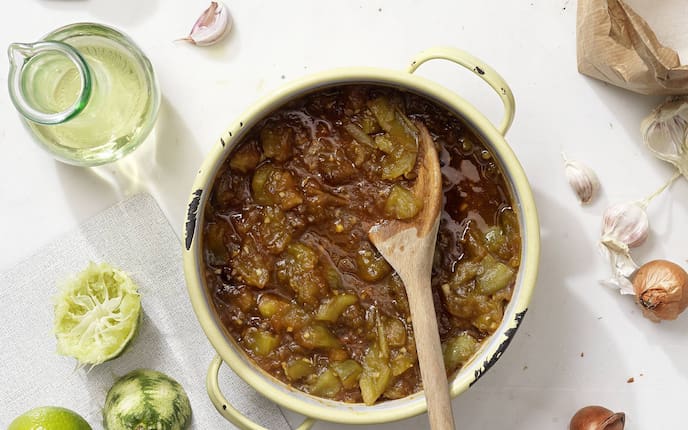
(409,246)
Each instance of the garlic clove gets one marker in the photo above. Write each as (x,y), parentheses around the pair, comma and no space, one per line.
(661,290)
(664,132)
(624,226)
(211,26)
(582,179)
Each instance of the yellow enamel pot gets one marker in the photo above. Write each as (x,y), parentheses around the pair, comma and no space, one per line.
(493,137)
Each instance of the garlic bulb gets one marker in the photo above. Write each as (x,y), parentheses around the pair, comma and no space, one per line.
(624,226)
(582,180)
(211,26)
(597,418)
(664,132)
(661,290)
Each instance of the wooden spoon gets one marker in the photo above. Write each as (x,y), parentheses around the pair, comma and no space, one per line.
(409,246)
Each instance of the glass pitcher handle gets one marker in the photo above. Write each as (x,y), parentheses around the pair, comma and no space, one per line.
(20,54)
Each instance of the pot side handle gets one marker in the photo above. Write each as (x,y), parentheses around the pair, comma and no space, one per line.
(482,70)
(225,409)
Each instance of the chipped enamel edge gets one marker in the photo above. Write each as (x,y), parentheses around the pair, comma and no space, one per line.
(508,336)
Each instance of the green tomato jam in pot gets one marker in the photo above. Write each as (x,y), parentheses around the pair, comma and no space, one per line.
(288,264)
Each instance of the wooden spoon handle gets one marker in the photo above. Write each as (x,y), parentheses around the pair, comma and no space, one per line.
(430,358)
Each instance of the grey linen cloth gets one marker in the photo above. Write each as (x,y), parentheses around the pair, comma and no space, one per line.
(135,237)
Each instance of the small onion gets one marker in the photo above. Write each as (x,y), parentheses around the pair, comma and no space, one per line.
(597,418)
(661,290)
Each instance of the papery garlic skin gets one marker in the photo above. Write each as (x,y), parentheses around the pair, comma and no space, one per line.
(621,283)
(582,179)
(623,267)
(624,226)
(622,263)
(661,290)
(664,132)
(211,26)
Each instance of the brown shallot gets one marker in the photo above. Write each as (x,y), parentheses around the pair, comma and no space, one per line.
(661,290)
(597,418)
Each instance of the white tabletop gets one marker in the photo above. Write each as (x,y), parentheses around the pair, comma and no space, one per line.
(580,342)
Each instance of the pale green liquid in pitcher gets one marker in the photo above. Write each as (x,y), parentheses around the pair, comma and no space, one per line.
(119,109)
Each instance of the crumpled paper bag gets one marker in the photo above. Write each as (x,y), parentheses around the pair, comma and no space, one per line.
(616,45)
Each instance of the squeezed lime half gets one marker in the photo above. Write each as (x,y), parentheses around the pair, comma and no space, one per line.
(49,418)
(97,314)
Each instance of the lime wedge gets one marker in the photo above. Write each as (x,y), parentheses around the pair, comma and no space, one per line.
(97,314)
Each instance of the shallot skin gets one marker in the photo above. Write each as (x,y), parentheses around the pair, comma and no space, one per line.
(661,290)
(597,418)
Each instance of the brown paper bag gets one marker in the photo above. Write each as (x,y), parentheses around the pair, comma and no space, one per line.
(616,45)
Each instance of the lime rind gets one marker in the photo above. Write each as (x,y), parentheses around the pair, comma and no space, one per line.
(49,417)
(97,314)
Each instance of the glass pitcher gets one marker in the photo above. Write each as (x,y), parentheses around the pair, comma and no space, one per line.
(86,92)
